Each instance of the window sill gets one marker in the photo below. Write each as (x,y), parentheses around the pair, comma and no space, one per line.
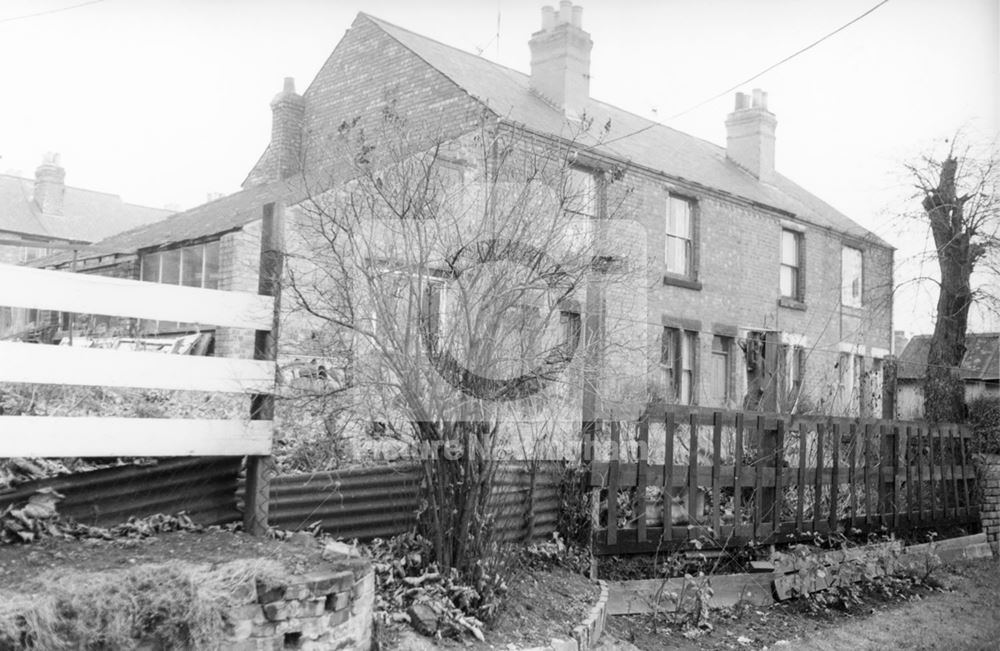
(686,283)
(792,304)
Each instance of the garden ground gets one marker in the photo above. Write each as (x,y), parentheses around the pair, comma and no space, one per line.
(961,611)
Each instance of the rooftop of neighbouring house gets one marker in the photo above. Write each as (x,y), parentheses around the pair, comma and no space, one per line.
(981,361)
(82,216)
(507,93)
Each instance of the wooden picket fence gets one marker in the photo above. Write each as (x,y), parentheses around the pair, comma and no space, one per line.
(769,478)
(53,436)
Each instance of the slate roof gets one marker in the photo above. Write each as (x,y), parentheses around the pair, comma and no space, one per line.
(631,138)
(981,361)
(88,216)
(215,217)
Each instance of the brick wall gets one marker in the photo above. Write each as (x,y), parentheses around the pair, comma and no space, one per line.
(322,610)
(988,469)
(738,253)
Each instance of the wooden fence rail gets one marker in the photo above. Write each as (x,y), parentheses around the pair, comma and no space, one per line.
(728,478)
(47,436)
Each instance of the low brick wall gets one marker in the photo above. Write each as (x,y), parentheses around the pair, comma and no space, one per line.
(988,469)
(321,610)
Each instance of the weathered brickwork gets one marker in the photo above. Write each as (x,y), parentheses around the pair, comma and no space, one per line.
(323,610)
(738,260)
(988,469)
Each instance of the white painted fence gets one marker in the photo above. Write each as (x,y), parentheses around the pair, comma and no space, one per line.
(100,436)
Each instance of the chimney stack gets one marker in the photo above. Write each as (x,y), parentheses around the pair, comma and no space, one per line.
(750,134)
(560,59)
(50,185)
(287,111)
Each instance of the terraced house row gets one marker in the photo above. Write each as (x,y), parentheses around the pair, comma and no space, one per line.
(755,292)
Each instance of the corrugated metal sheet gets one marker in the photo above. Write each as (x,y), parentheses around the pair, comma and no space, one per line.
(204,487)
(361,503)
(382,501)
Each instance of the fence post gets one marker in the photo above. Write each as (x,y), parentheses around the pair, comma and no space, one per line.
(767,446)
(889,368)
(260,468)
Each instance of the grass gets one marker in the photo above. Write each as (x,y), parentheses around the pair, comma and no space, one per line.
(172,606)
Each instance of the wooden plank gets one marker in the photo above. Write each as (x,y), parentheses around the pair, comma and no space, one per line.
(716,470)
(650,595)
(908,464)
(66,436)
(613,483)
(64,291)
(818,484)
(852,473)
(737,469)
(668,474)
(758,469)
(885,455)
(779,463)
(640,491)
(693,516)
(39,364)
(800,507)
(962,451)
(921,511)
(942,486)
(952,447)
(834,516)
(869,466)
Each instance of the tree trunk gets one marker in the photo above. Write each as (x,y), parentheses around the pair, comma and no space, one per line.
(944,395)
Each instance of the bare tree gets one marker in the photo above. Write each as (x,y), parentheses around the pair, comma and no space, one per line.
(960,197)
(454,274)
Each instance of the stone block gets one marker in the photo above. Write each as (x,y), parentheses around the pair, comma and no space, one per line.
(281,610)
(558,644)
(338,601)
(269,591)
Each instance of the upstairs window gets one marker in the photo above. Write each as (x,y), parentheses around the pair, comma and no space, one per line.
(580,196)
(677,357)
(791,265)
(680,242)
(851,270)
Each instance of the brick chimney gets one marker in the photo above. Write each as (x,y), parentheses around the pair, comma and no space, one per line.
(287,110)
(50,185)
(750,134)
(560,59)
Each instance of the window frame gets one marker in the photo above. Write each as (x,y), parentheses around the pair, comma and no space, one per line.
(798,269)
(860,299)
(689,278)
(672,363)
(207,281)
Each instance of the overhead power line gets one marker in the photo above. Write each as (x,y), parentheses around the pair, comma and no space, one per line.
(49,11)
(775,65)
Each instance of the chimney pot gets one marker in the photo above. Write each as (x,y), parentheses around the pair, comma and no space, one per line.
(287,112)
(50,185)
(560,59)
(548,18)
(750,135)
(565,11)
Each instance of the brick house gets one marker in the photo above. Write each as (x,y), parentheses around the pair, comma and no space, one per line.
(42,215)
(763,294)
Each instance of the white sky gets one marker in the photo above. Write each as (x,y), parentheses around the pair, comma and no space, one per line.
(165,101)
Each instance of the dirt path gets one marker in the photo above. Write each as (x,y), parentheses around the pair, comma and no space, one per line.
(965,616)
